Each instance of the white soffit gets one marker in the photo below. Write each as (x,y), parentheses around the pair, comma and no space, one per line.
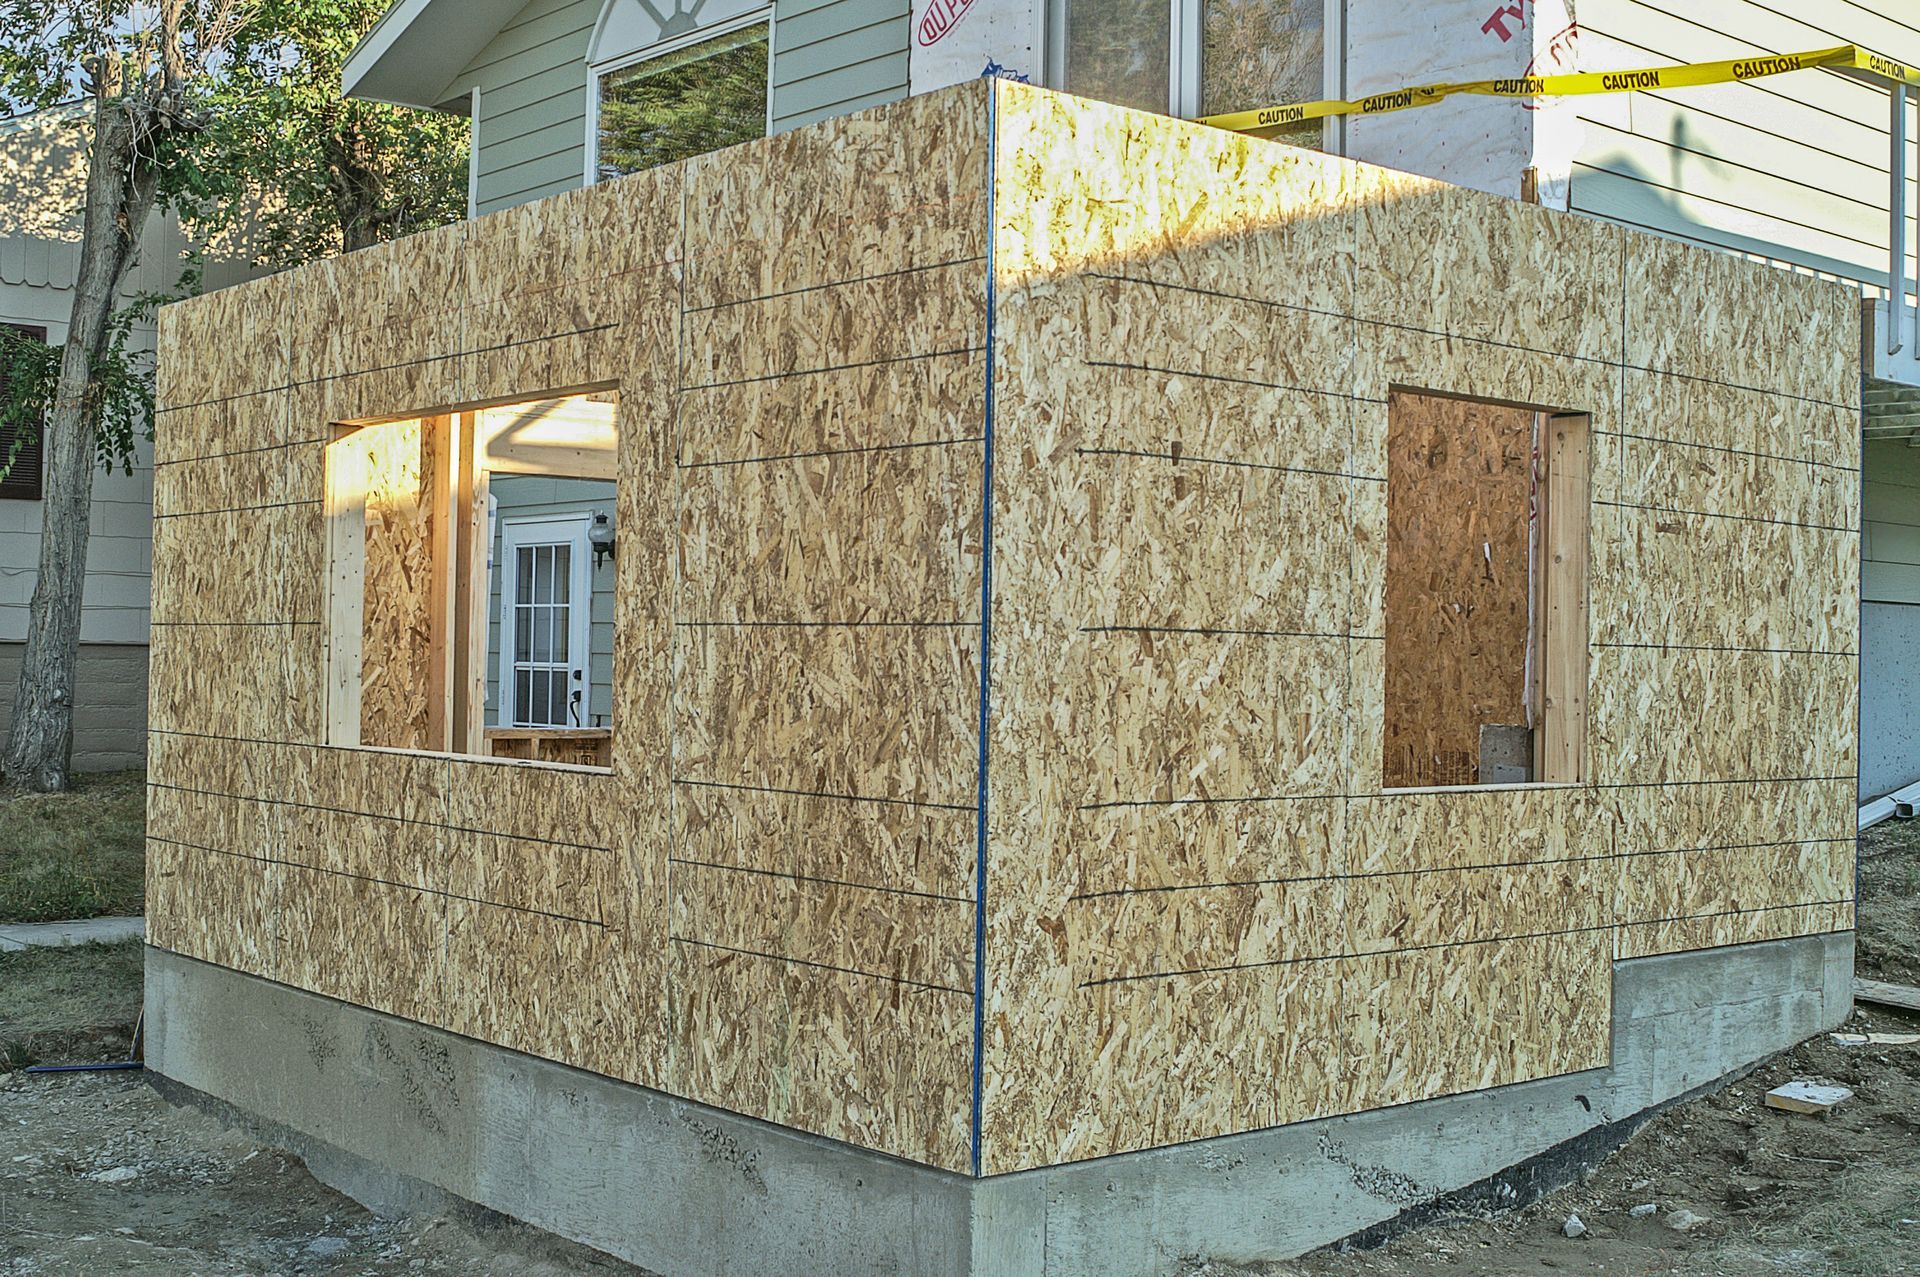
(413,53)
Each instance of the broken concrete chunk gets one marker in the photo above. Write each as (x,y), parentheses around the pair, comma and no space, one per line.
(1573,1227)
(1875,1039)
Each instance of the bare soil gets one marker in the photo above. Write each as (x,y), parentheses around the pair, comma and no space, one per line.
(98,1174)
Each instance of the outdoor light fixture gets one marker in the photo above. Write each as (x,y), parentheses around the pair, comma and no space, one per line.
(600,536)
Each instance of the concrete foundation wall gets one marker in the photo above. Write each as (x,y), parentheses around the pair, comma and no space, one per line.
(404,1117)
(110,710)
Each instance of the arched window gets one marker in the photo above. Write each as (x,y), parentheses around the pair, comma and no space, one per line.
(671,78)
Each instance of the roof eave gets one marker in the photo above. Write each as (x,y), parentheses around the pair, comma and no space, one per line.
(418,50)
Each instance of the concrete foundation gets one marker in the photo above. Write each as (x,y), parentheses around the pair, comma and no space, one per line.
(409,1118)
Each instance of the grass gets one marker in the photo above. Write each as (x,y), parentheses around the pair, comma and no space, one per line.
(75,855)
(67,1006)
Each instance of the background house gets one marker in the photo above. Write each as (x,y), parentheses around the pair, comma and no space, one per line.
(43,171)
(1792,169)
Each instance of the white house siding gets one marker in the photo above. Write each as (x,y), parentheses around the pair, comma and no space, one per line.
(1792,167)
(829,57)
(532,82)
(1890,596)
(835,56)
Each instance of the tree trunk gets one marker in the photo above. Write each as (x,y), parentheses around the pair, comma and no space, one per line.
(120,196)
(356,191)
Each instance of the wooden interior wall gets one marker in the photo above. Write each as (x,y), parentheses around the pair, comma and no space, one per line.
(767,903)
(1204,916)
(1458,583)
(400,574)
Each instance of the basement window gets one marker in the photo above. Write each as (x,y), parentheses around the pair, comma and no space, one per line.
(1486,593)
(470,581)
(20,445)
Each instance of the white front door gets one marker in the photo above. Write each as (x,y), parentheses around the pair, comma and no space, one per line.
(546,604)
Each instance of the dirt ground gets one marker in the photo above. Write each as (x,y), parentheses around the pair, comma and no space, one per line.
(99,1175)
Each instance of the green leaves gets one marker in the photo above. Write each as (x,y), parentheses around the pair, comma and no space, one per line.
(294,171)
(119,394)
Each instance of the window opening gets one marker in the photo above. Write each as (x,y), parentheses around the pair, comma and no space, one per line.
(1486,593)
(24,446)
(470,581)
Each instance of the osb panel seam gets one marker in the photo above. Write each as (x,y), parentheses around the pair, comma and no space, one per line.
(398,884)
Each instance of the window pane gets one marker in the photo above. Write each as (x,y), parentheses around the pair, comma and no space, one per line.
(697,99)
(523,588)
(1119,51)
(1257,53)
(541,621)
(543,574)
(522,695)
(562,574)
(557,711)
(523,633)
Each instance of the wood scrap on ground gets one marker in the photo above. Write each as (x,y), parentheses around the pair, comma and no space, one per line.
(1902,996)
(1807,1097)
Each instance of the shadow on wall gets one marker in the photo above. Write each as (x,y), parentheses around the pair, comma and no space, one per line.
(43,175)
(1610,183)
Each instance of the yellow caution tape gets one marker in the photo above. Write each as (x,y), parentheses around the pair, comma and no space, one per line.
(1681,76)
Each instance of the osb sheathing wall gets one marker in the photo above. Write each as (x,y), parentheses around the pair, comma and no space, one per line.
(1200,914)
(1204,915)
(768,905)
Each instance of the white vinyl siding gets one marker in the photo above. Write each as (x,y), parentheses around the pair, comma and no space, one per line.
(1792,167)
(1890,520)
